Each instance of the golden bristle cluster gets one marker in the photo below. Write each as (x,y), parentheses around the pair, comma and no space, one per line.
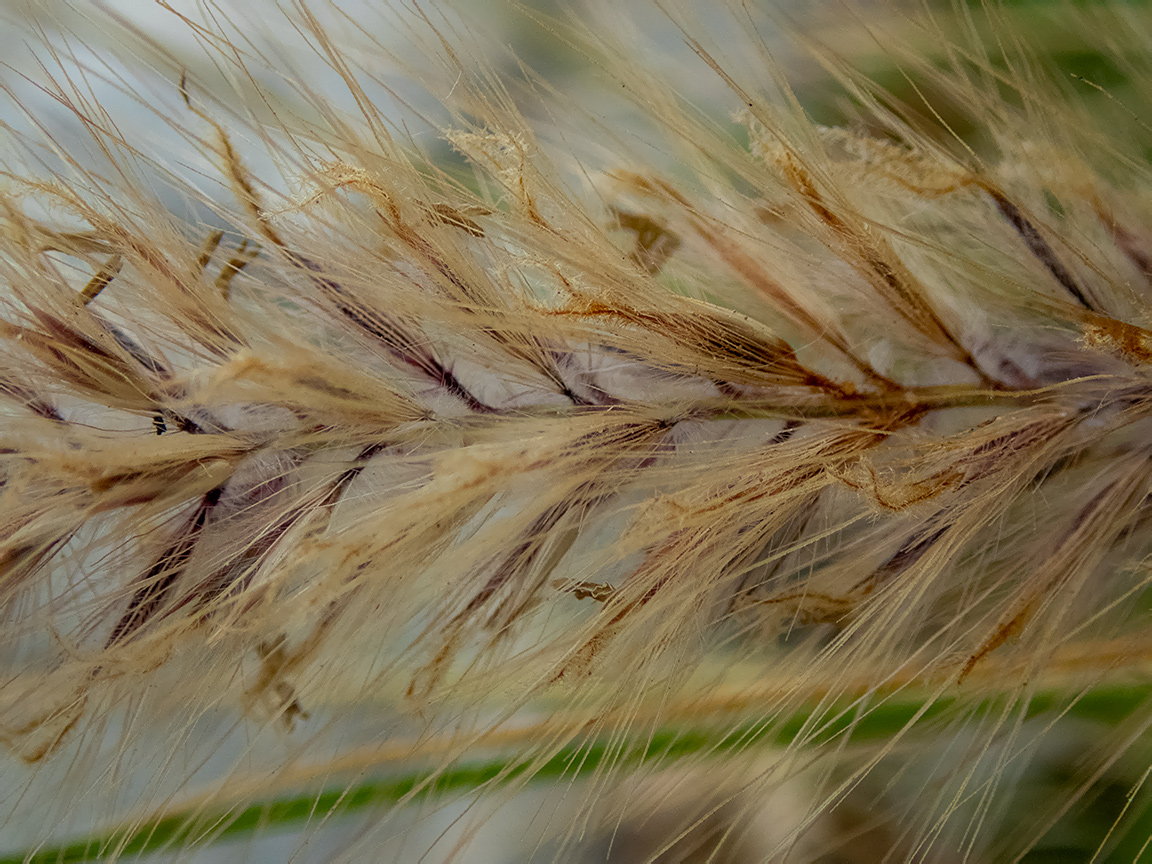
(415,463)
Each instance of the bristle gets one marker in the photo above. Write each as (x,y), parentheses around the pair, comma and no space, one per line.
(625,476)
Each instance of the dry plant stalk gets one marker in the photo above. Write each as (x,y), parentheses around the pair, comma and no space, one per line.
(838,413)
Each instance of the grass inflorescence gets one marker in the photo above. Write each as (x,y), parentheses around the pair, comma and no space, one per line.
(838,437)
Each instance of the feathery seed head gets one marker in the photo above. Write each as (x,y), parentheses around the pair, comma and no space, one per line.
(567,448)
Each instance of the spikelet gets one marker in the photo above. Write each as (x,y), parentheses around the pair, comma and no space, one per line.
(757,440)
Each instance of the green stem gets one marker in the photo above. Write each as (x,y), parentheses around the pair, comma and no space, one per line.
(810,727)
